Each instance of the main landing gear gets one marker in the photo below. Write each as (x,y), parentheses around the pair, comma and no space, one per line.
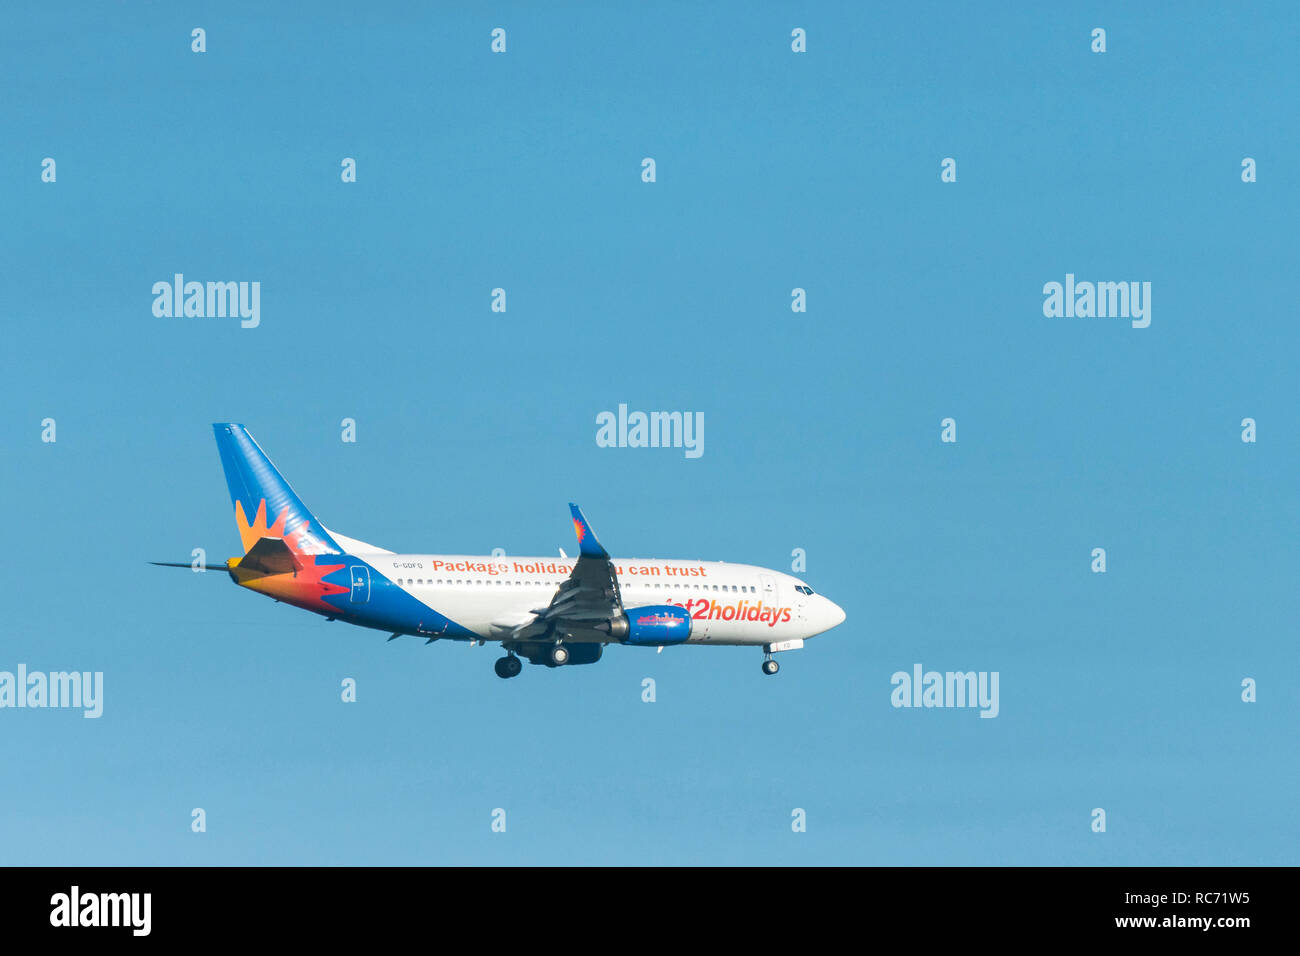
(509,666)
(559,655)
(770,666)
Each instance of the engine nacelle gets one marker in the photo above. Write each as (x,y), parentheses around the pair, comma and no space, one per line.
(653,625)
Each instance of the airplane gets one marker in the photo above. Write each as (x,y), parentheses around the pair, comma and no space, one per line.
(552,612)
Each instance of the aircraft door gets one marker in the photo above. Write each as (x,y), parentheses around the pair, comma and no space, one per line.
(771,593)
(800,598)
(360,583)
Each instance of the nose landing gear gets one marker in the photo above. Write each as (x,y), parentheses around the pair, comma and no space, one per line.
(770,666)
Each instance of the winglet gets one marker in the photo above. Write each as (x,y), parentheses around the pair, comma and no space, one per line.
(587,543)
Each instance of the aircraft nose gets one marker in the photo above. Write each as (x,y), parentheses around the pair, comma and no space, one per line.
(832,615)
(836,612)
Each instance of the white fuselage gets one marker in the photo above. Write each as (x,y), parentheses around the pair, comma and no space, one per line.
(728,603)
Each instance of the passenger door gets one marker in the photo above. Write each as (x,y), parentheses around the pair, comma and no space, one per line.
(360,583)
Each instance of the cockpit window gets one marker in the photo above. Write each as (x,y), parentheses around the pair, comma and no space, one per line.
(803,589)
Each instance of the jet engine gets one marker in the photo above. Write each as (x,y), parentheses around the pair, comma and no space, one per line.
(653,625)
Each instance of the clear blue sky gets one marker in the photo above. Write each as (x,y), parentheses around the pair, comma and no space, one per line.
(775,171)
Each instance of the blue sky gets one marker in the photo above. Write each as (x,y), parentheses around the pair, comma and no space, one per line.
(775,170)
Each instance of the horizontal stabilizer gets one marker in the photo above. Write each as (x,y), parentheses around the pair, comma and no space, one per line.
(270,556)
(190,565)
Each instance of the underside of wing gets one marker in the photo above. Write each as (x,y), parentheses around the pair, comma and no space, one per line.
(585,604)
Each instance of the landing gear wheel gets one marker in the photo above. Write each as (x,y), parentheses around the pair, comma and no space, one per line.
(507,667)
(770,666)
(559,655)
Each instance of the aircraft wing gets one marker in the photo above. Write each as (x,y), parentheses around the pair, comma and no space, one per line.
(588,598)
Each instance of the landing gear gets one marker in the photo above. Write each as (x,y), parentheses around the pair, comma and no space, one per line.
(507,667)
(770,666)
(559,655)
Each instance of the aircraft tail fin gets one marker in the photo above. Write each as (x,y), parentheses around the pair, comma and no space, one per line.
(265,505)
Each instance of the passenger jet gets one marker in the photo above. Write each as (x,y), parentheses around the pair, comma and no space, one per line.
(552,611)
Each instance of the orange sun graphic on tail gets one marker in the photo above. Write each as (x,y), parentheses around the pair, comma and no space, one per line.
(250,534)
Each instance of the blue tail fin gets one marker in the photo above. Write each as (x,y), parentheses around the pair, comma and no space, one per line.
(265,505)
